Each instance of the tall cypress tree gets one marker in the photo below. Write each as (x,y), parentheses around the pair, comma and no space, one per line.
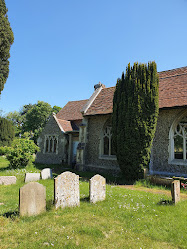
(6,40)
(135,112)
(6,132)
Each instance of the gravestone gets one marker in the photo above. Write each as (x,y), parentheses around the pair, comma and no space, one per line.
(32,199)
(175,191)
(97,188)
(32,177)
(66,190)
(7,180)
(46,174)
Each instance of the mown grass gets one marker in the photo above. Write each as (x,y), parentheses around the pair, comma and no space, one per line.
(126,219)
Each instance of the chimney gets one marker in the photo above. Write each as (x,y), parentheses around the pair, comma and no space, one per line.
(99,85)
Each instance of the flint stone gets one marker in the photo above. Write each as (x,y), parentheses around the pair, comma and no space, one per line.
(32,199)
(97,188)
(32,177)
(7,180)
(175,191)
(66,190)
(46,174)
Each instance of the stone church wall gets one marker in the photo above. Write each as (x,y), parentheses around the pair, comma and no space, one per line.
(160,151)
(51,128)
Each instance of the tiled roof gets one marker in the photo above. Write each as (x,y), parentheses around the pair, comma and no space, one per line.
(172,93)
(71,111)
(173,88)
(103,103)
(65,125)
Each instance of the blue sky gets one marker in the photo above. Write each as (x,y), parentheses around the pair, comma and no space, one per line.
(62,48)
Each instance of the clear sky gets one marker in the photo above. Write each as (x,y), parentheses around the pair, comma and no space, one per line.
(62,48)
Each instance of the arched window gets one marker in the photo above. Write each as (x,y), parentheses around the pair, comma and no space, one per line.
(106,149)
(178,140)
(51,144)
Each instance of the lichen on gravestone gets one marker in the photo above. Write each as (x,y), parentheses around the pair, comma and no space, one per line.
(66,190)
(97,188)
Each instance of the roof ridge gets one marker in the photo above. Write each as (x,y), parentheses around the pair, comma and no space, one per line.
(172,69)
(172,76)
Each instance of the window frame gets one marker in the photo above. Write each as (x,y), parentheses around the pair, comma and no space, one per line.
(51,148)
(172,134)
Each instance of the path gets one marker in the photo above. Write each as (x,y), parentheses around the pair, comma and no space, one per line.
(155,191)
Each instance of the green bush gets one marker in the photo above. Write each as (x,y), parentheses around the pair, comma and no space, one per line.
(3,150)
(21,152)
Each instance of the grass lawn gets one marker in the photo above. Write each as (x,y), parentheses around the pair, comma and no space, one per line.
(126,219)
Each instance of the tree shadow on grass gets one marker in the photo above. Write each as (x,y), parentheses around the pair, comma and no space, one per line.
(165,203)
(11,214)
(85,199)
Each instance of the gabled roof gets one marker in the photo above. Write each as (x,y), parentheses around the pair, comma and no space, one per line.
(172,93)
(65,125)
(72,110)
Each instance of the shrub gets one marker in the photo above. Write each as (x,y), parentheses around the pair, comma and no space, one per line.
(21,152)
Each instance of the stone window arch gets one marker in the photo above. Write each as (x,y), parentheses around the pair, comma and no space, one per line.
(106,148)
(178,140)
(51,144)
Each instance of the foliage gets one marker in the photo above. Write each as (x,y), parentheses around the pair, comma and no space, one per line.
(56,109)
(17,121)
(6,40)
(21,152)
(6,132)
(31,118)
(135,112)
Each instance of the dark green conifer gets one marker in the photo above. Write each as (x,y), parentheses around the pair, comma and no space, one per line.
(6,132)
(6,40)
(135,112)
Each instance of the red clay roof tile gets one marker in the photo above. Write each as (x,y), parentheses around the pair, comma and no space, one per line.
(66,125)
(71,111)
(172,93)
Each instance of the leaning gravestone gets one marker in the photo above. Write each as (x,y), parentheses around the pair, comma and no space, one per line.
(7,180)
(46,174)
(175,191)
(32,199)
(66,187)
(97,188)
(32,177)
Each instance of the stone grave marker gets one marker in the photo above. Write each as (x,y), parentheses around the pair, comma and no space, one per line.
(7,180)
(97,188)
(32,199)
(175,191)
(46,174)
(32,177)
(66,190)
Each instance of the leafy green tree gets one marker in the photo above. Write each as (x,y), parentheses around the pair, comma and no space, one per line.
(135,112)
(17,121)
(21,152)
(6,132)
(6,40)
(56,109)
(36,118)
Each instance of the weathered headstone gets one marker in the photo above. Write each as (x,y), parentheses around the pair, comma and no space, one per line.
(32,177)
(32,199)
(175,191)
(66,187)
(46,174)
(7,180)
(97,188)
